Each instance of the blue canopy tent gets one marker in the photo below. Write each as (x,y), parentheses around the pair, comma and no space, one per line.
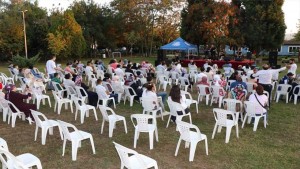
(180,44)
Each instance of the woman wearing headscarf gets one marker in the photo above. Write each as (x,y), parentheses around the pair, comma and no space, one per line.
(17,99)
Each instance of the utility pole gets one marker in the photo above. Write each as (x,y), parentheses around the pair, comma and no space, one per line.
(24,25)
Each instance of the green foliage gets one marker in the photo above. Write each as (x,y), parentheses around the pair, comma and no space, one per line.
(65,38)
(297,35)
(22,62)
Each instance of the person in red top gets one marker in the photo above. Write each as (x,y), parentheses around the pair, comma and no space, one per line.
(17,99)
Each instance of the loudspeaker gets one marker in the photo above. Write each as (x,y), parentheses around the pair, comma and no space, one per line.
(273,58)
(249,55)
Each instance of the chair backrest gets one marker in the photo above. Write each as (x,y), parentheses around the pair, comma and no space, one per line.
(107,86)
(12,105)
(184,81)
(215,90)
(55,95)
(185,128)
(202,89)
(125,153)
(174,107)
(250,108)
(129,91)
(128,74)
(71,91)
(3,103)
(174,75)
(64,127)
(9,161)
(296,90)
(81,93)
(186,94)
(57,86)
(249,86)
(162,79)
(142,121)
(221,116)
(147,104)
(231,104)
(284,87)
(36,117)
(103,110)
(3,144)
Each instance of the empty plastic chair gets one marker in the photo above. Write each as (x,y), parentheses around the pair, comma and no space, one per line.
(283,89)
(189,99)
(203,90)
(190,137)
(130,94)
(84,110)
(296,93)
(45,125)
(222,120)
(111,119)
(60,101)
(143,125)
(75,137)
(133,160)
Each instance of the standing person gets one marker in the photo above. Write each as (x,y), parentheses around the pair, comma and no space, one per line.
(265,78)
(213,52)
(51,67)
(292,67)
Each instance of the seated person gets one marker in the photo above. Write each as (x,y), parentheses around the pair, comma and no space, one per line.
(68,81)
(237,89)
(15,70)
(17,99)
(107,78)
(34,73)
(56,79)
(176,97)
(203,81)
(32,81)
(260,99)
(103,93)
(70,71)
(287,79)
(163,95)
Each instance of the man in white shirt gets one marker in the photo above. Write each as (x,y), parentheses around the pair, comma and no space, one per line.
(51,67)
(292,67)
(103,93)
(119,72)
(161,67)
(201,74)
(265,78)
(68,81)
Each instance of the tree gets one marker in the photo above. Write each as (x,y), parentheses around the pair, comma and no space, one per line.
(132,38)
(65,35)
(297,35)
(192,19)
(11,30)
(263,24)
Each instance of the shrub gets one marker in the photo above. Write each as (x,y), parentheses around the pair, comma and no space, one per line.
(22,62)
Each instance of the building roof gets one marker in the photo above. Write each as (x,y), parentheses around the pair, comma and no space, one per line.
(291,42)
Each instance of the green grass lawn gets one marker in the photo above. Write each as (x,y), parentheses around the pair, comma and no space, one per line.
(276,146)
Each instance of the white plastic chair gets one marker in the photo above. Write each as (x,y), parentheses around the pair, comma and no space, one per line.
(3,144)
(174,77)
(216,96)
(23,161)
(7,80)
(283,89)
(13,115)
(84,110)
(60,101)
(173,106)
(71,92)
(163,81)
(190,137)
(75,137)
(5,108)
(250,87)
(202,92)
(133,160)
(39,96)
(128,95)
(189,99)
(184,83)
(143,125)
(296,94)
(221,117)
(59,89)
(83,97)
(231,105)
(250,108)
(105,100)
(149,107)
(45,125)
(111,119)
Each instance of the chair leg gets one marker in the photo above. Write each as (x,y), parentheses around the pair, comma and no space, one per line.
(95,114)
(237,130)
(49,102)
(228,132)
(74,150)
(192,150)
(36,132)
(64,146)
(196,107)
(214,131)
(59,108)
(44,135)
(178,145)
(93,145)
(168,121)
(151,139)
(102,126)
(135,138)
(71,105)
(111,128)
(125,126)
(256,123)
(206,146)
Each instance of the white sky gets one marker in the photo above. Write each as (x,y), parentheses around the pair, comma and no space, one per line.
(291,9)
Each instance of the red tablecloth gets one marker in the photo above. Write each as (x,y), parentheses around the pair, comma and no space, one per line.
(220,63)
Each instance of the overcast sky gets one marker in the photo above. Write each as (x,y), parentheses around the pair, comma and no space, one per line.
(291,9)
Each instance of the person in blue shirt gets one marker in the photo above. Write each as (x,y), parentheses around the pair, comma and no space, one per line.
(237,89)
